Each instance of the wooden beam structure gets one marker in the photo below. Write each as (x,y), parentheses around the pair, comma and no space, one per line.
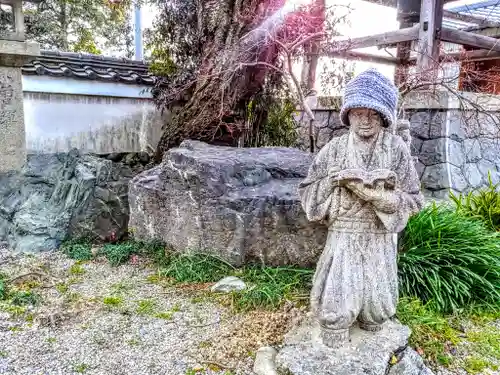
(470,39)
(431,17)
(352,55)
(428,33)
(476,55)
(388,38)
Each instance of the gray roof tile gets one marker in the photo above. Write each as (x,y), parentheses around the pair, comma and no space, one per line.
(90,67)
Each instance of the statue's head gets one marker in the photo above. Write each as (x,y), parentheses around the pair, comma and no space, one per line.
(370,103)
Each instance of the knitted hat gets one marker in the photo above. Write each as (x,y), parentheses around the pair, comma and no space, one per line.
(373,90)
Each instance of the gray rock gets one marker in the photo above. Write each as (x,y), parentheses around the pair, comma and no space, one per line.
(241,204)
(229,284)
(456,125)
(458,181)
(368,353)
(419,124)
(486,167)
(435,177)
(409,363)
(490,149)
(420,168)
(60,195)
(472,175)
(472,150)
(433,151)
(437,124)
(455,153)
(264,361)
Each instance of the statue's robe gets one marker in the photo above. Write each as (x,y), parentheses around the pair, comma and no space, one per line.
(356,275)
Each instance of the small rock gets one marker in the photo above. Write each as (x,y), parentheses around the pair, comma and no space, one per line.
(410,363)
(264,361)
(229,284)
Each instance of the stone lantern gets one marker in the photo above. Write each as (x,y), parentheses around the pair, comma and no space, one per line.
(15,51)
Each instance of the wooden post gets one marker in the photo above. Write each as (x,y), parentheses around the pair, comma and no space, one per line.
(431,17)
(403,56)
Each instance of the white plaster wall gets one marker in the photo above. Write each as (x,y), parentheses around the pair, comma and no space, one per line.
(94,120)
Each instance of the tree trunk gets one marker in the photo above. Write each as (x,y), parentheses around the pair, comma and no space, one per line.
(231,73)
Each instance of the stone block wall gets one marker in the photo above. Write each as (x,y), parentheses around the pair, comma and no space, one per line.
(456,142)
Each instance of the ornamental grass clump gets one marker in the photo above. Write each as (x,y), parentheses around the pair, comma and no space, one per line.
(450,259)
(482,204)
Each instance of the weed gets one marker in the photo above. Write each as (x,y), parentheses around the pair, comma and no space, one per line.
(122,286)
(432,334)
(62,288)
(145,307)
(270,287)
(475,365)
(119,253)
(15,311)
(3,289)
(133,342)
(72,297)
(3,354)
(51,340)
(80,368)
(24,298)
(112,301)
(167,315)
(76,269)
(204,344)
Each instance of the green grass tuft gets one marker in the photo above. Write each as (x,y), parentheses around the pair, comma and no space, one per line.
(195,268)
(270,287)
(449,259)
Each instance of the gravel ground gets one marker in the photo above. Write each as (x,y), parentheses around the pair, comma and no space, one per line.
(98,319)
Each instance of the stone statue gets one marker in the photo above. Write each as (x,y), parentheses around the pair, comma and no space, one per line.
(364,186)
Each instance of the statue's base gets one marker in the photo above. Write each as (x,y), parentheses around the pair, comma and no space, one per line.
(366,353)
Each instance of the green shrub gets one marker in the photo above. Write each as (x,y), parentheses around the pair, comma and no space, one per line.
(78,249)
(120,253)
(3,288)
(280,129)
(449,259)
(483,204)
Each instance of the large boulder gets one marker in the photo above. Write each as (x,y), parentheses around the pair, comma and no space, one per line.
(240,204)
(61,195)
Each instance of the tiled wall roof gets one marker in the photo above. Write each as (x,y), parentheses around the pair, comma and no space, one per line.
(89,67)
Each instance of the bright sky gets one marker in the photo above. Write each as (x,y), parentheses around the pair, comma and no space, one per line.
(365,18)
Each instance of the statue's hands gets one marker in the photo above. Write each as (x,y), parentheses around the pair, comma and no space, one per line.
(384,200)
